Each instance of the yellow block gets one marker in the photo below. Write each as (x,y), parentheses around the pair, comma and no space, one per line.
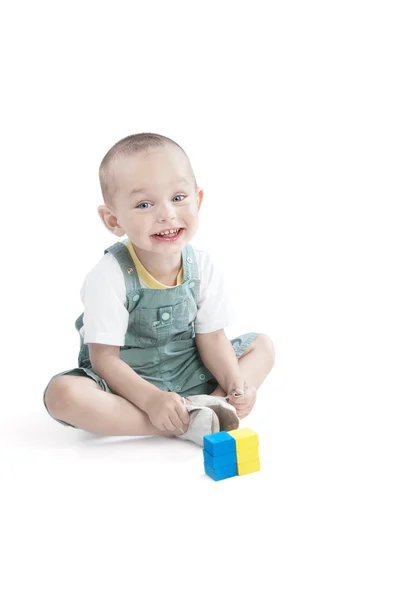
(248,467)
(247,455)
(245,439)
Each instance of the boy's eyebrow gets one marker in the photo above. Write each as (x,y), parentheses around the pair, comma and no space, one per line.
(141,190)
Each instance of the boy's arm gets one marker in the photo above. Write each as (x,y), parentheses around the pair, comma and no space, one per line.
(119,376)
(219,357)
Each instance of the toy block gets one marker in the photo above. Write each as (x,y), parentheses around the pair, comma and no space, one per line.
(219,443)
(215,462)
(248,467)
(249,455)
(222,472)
(245,439)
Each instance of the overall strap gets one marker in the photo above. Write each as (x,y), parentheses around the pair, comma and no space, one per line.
(126,263)
(191,270)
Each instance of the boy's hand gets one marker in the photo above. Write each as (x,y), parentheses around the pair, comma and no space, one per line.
(242,396)
(167,412)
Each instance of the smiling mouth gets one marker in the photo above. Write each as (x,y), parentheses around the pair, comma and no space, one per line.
(168,233)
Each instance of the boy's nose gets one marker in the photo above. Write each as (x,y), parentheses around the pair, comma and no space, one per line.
(166,214)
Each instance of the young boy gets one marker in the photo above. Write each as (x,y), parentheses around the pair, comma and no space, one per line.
(154,358)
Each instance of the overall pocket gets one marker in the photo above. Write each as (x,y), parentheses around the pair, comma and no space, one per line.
(152,326)
(172,322)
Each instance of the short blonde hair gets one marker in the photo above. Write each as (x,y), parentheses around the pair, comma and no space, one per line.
(128,146)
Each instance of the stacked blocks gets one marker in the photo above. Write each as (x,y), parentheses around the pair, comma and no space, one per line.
(219,455)
(231,453)
(247,457)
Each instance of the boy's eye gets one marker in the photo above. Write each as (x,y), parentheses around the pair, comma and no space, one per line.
(181,196)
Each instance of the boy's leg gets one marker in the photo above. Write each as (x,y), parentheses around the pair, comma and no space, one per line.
(81,402)
(255,363)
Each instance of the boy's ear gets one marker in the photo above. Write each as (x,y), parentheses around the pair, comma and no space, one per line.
(199,195)
(110,221)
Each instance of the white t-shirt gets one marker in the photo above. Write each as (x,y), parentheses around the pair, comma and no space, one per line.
(104,293)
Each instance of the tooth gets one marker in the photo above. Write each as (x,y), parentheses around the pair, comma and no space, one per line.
(168,232)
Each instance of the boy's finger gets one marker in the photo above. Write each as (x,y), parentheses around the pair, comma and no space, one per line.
(236,402)
(169,426)
(182,413)
(182,418)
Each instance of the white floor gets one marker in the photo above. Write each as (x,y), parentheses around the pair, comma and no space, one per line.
(85,517)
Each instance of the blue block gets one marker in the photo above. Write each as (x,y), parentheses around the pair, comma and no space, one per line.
(222,472)
(219,443)
(215,462)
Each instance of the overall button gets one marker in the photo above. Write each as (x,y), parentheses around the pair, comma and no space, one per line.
(165,316)
(202,377)
(177,388)
(136,297)
(189,259)
(191,284)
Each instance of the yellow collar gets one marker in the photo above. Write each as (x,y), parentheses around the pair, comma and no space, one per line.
(145,275)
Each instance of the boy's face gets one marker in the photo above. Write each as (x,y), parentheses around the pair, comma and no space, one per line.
(154,192)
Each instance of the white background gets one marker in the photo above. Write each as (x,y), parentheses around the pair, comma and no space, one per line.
(288,112)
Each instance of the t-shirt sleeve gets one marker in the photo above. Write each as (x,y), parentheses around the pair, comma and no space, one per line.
(216,309)
(103,294)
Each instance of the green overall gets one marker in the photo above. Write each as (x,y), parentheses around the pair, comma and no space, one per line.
(160,339)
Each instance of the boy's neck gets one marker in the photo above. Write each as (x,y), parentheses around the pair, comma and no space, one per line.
(164,269)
